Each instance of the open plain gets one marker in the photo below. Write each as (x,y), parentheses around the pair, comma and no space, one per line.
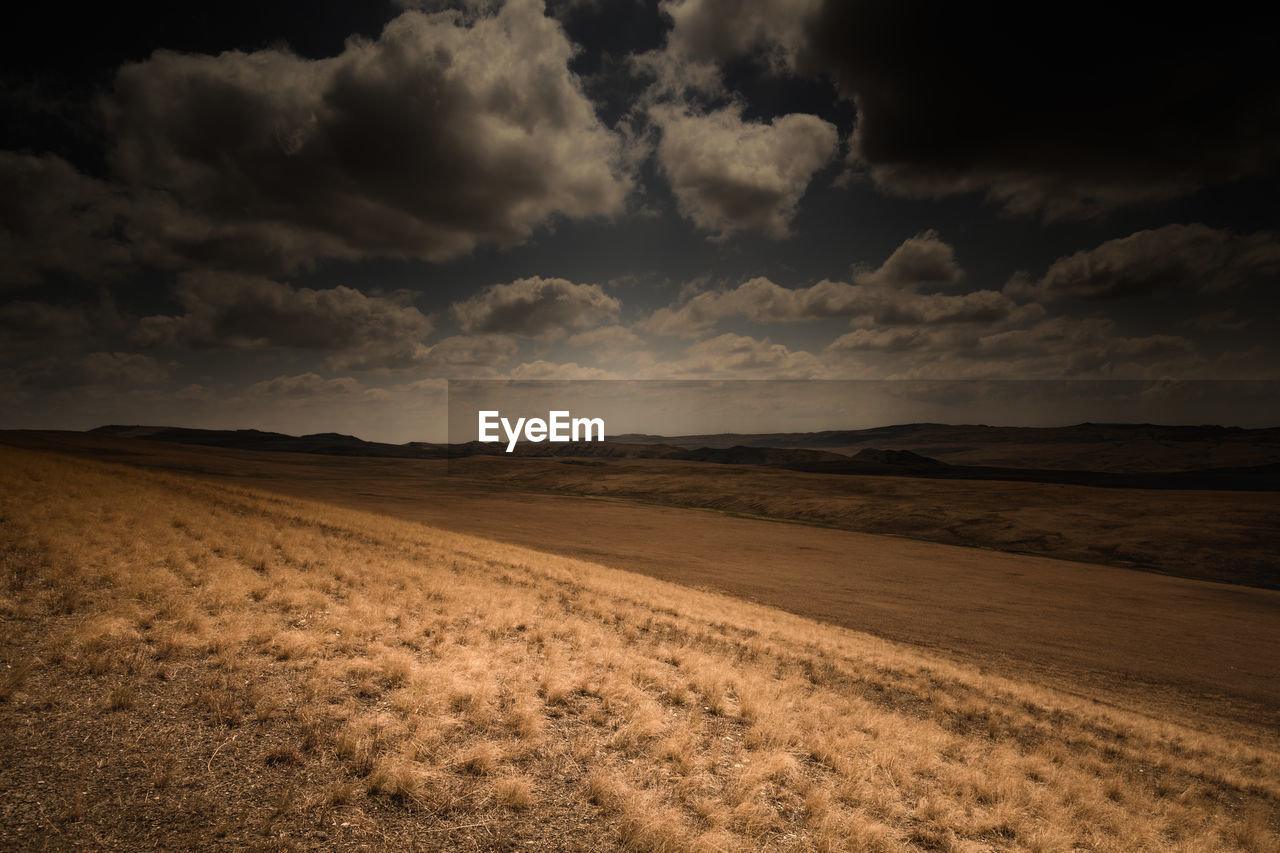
(1208,650)
(194,665)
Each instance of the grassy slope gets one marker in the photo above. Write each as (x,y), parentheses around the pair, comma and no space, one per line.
(197,666)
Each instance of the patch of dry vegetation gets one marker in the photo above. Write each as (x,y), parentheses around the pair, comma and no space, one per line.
(196,666)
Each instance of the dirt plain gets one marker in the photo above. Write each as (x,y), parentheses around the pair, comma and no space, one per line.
(1201,651)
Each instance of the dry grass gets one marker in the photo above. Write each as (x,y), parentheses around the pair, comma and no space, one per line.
(192,666)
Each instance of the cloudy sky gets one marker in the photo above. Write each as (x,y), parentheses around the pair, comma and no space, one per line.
(306,217)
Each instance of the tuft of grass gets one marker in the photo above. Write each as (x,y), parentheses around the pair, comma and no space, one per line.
(121,698)
(514,792)
(395,777)
(480,758)
(283,754)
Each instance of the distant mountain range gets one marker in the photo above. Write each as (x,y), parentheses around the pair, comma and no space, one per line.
(326,443)
(1115,455)
(961,433)
(1118,448)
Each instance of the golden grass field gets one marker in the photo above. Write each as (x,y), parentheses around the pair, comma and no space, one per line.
(190,665)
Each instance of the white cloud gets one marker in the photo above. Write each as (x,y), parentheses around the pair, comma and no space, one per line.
(731,175)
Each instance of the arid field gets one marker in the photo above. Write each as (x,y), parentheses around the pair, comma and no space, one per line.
(191,665)
(1201,651)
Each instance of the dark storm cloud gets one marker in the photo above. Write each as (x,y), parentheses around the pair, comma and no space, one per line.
(54,219)
(1161,260)
(1058,110)
(225,310)
(1055,109)
(440,135)
(536,307)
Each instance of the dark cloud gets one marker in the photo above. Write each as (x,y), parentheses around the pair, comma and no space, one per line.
(761,301)
(536,307)
(1060,110)
(188,170)
(469,355)
(418,144)
(24,322)
(54,219)
(1083,346)
(471,351)
(707,34)
(741,357)
(985,307)
(1226,320)
(612,345)
(104,371)
(881,340)
(921,260)
(306,386)
(1049,347)
(226,310)
(541,369)
(885,295)
(731,175)
(1172,258)
(724,29)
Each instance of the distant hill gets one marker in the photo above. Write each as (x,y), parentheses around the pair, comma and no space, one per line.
(326,443)
(958,433)
(1111,455)
(1131,448)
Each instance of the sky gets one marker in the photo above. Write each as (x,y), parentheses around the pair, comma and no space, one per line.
(309,217)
